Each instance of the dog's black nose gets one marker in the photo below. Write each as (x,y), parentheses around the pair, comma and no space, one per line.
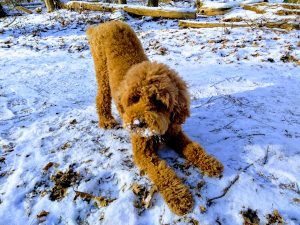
(138,124)
(142,124)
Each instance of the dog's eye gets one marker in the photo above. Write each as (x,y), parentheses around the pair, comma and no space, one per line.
(157,103)
(134,99)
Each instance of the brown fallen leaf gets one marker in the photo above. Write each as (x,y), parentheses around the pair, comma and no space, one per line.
(83,195)
(202,209)
(144,197)
(296,199)
(101,201)
(73,122)
(194,222)
(137,189)
(147,200)
(42,214)
(66,146)
(49,165)
(275,218)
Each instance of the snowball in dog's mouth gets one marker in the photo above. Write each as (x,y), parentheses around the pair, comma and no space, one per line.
(138,122)
(140,128)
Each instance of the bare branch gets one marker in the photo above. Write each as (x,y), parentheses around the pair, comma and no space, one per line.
(227,188)
(265,159)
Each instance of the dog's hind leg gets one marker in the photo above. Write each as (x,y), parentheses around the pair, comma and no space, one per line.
(175,193)
(193,152)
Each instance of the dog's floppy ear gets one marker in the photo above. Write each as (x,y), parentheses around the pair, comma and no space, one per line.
(118,102)
(181,108)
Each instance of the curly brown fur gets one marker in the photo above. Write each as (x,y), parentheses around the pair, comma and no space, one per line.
(153,102)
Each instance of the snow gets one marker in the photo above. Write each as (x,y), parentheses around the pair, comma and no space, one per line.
(244,110)
(121,212)
(136,122)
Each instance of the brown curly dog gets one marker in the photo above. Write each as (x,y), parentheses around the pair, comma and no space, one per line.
(153,103)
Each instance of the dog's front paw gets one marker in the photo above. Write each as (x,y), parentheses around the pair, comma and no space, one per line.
(210,166)
(108,124)
(178,198)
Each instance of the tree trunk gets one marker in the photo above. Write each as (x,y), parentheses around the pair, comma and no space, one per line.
(217,8)
(289,9)
(50,5)
(161,12)
(254,8)
(2,12)
(286,12)
(152,3)
(133,9)
(122,1)
(93,6)
(21,8)
(292,1)
(281,25)
(213,11)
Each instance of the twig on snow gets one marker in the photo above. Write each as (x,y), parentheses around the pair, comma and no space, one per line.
(226,79)
(227,188)
(250,135)
(211,99)
(265,159)
(227,126)
(252,118)
(6,25)
(236,178)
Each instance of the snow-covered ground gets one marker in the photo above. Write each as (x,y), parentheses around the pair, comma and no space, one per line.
(244,85)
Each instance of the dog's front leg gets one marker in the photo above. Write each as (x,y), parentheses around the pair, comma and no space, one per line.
(175,193)
(193,152)
(103,99)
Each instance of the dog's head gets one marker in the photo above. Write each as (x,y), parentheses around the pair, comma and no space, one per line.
(150,98)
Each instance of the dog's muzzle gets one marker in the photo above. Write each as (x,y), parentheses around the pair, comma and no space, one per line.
(140,127)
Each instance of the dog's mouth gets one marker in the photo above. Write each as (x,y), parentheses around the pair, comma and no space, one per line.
(141,128)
